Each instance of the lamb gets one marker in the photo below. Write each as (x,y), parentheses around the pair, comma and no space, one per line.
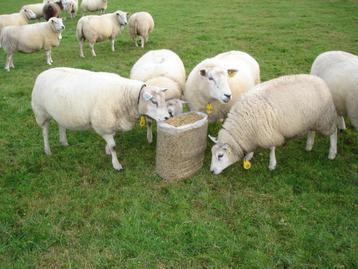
(35,8)
(30,38)
(277,109)
(53,9)
(219,82)
(339,70)
(94,5)
(105,102)
(20,18)
(140,24)
(100,28)
(162,68)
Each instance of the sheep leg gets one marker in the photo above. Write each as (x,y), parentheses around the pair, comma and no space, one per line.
(272,165)
(149,131)
(92,48)
(310,140)
(63,136)
(333,146)
(249,156)
(45,127)
(107,150)
(48,57)
(142,41)
(135,41)
(111,144)
(112,45)
(81,49)
(12,61)
(341,123)
(8,61)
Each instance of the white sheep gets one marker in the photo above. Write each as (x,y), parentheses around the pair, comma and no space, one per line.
(20,18)
(275,110)
(105,102)
(140,24)
(339,70)
(219,82)
(93,5)
(165,69)
(72,8)
(30,38)
(35,8)
(96,28)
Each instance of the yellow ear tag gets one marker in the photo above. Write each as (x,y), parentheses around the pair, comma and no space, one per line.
(209,109)
(142,121)
(246,164)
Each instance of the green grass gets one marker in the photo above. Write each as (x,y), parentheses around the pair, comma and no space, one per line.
(72,210)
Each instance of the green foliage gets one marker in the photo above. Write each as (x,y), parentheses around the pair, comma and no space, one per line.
(72,210)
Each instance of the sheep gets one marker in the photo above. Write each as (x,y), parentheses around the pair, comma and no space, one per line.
(162,68)
(105,102)
(274,110)
(53,8)
(30,38)
(72,8)
(140,24)
(219,82)
(339,70)
(100,28)
(93,5)
(35,8)
(20,18)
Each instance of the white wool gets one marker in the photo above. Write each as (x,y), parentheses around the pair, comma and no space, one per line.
(140,24)
(274,111)
(36,8)
(96,28)
(339,70)
(31,37)
(196,88)
(162,68)
(20,18)
(93,5)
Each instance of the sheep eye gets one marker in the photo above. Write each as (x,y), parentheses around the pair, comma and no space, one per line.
(220,156)
(154,102)
(210,78)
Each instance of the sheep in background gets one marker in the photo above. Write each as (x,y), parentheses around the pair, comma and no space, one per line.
(140,24)
(93,5)
(219,81)
(35,8)
(20,18)
(81,99)
(165,69)
(72,8)
(100,28)
(30,38)
(53,9)
(339,70)
(275,110)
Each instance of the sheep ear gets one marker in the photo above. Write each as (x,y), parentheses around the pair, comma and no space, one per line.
(128,14)
(214,139)
(203,72)
(232,72)
(147,96)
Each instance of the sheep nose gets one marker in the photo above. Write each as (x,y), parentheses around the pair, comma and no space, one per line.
(62,27)
(227,95)
(212,171)
(166,118)
(171,114)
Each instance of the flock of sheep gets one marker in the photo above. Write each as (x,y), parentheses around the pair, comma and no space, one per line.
(226,87)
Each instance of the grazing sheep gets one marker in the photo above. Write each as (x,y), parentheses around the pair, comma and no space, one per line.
(220,81)
(53,9)
(72,8)
(30,38)
(339,70)
(162,68)
(277,109)
(20,18)
(100,28)
(94,5)
(36,8)
(140,24)
(81,99)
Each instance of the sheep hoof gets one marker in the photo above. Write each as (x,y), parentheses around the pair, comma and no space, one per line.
(332,155)
(118,167)
(48,152)
(272,167)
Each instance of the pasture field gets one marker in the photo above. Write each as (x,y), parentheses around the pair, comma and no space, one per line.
(72,210)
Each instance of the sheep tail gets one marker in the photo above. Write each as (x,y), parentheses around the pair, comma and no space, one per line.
(79,31)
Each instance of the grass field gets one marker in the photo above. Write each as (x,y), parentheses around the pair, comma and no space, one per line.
(72,210)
